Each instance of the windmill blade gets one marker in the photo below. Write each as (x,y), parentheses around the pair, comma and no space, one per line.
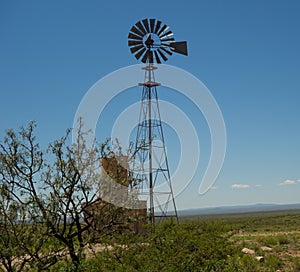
(152,22)
(163,29)
(146,56)
(140,26)
(167,34)
(134,37)
(162,54)
(136,31)
(179,47)
(146,24)
(167,51)
(136,48)
(158,24)
(140,53)
(134,42)
(168,40)
(157,57)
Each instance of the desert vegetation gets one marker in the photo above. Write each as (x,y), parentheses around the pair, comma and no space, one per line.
(45,224)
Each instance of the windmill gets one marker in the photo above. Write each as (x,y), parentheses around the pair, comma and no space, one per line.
(151,41)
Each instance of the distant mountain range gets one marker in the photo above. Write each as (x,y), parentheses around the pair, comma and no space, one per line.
(239,209)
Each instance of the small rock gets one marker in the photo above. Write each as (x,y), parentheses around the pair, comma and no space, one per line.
(265,248)
(248,251)
(260,258)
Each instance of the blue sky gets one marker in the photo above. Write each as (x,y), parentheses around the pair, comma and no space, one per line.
(246,53)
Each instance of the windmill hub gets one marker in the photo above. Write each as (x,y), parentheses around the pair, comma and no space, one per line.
(149,42)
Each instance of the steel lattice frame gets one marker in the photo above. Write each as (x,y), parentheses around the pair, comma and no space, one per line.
(151,168)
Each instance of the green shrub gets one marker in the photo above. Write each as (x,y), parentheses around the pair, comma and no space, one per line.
(283,239)
(197,246)
(268,241)
(273,262)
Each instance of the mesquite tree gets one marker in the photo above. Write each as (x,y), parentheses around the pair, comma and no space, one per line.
(43,196)
(23,233)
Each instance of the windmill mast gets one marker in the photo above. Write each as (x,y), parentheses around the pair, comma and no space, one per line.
(151,40)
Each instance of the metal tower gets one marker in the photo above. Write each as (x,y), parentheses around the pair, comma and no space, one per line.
(151,162)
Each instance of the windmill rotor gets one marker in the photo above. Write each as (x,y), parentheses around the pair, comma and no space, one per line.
(152,41)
